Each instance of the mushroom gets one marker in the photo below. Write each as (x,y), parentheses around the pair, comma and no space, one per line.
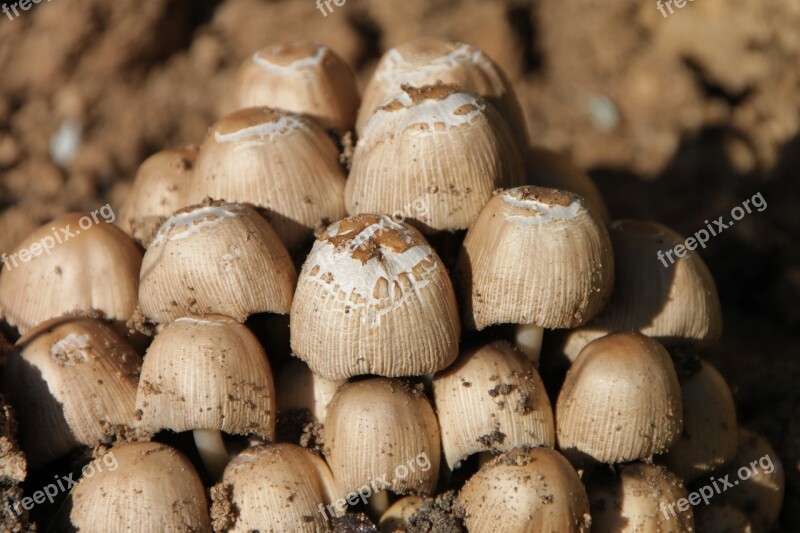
(677,303)
(526,491)
(548,168)
(277,487)
(621,401)
(76,263)
(397,517)
(281,163)
(298,388)
(432,155)
(73,382)
(491,398)
(430,60)
(709,436)
(207,374)
(538,258)
(758,478)
(381,434)
(721,518)
(640,498)
(158,190)
(302,77)
(215,258)
(152,487)
(374,298)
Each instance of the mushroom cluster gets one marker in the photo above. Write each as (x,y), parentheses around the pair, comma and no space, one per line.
(420,270)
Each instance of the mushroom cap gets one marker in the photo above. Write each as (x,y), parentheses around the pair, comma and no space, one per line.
(375,427)
(217,258)
(535,256)
(278,487)
(281,163)
(153,487)
(434,154)
(85,269)
(397,516)
(374,298)
(526,491)
(491,398)
(302,77)
(430,60)
(677,304)
(206,372)
(761,494)
(73,382)
(638,500)
(159,189)
(710,430)
(621,401)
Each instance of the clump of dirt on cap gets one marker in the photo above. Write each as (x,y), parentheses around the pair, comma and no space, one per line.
(223,510)
(438,515)
(353,523)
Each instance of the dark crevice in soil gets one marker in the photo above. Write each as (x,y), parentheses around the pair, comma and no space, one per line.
(713,89)
(523,23)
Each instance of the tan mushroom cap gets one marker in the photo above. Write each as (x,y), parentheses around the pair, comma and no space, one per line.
(526,491)
(535,256)
(207,372)
(677,304)
(434,154)
(73,382)
(491,398)
(641,498)
(73,264)
(301,77)
(278,487)
(158,190)
(710,430)
(386,429)
(140,487)
(374,298)
(429,60)
(279,162)
(215,258)
(621,401)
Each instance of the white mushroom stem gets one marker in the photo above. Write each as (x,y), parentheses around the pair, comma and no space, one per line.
(528,339)
(378,503)
(212,451)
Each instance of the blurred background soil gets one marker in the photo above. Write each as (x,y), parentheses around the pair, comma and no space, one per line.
(678,119)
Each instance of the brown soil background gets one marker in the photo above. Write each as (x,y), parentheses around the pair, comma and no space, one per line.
(678,119)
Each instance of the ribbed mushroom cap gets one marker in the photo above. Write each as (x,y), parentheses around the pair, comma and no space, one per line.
(70,268)
(278,487)
(378,429)
(535,256)
(282,163)
(761,480)
(299,388)
(621,401)
(73,382)
(677,304)
(374,298)
(548,168)
(218,258)
(491,398)
(526,491)
(430,60)
(206,372)
(302,77)
(641,498)
(152,488)
(158,190)
(434,146)
(710,430)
